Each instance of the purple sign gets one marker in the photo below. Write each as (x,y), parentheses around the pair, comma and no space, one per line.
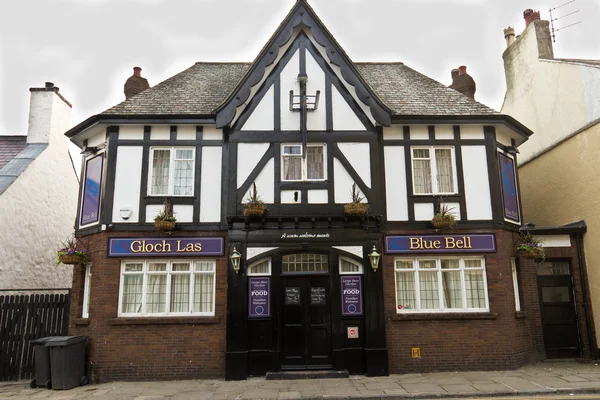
(259,297)
(90,205)
(352,295)
(160,247)
(479,243)
(509,188)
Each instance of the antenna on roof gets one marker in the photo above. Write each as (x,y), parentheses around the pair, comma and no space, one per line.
(554,30)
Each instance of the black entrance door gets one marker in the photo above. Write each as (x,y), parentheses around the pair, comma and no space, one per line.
(557,305)
(306,334)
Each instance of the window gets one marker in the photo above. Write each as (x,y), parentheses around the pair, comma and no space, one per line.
(349,266)
(433,170)
(155,288)
(513,266)
(85,313)
(441,285)
(305,263)
(261,267)
(172,171)
(296,167)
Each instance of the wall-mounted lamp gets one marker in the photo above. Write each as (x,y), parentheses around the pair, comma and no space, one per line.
(235,260)
(374,257)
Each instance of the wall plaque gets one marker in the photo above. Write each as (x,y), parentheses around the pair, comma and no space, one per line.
(317,296)
(477,243)
(292,296)
(352,295)
(259,294)
(161,247)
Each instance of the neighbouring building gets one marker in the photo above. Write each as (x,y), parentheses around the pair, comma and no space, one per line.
(558,99)
(305,285)
(38,196)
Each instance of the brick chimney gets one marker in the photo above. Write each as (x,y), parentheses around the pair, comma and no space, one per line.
(135,84)
(530,16)
(49,114)
(463,82)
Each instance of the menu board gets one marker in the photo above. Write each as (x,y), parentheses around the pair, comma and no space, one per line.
(317,296)
(292,296)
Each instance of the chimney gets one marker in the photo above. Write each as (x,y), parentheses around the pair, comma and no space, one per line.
(509,36)
(49,114)
(462,82)
(530,16)
(135,84)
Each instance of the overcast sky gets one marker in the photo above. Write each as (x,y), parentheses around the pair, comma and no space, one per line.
(88,47)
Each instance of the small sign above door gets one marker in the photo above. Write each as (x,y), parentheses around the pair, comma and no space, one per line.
(317,296)
(292,296)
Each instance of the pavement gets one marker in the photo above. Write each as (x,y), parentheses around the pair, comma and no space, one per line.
(551,380)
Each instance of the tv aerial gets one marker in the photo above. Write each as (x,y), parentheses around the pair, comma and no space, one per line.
(552,19)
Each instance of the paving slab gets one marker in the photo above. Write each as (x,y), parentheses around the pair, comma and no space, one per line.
(459,388)
(422,388)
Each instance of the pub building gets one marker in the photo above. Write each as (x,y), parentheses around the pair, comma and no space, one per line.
(305,286)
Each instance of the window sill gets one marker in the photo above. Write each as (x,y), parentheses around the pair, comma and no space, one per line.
(520,314)
(164,320)
(443,316)
(81,321)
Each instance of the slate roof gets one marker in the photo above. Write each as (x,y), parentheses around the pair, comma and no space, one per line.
(200,89)
(10,146)
(19,163)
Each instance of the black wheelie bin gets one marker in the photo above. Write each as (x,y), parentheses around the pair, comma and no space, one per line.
(41,361)
(67,361)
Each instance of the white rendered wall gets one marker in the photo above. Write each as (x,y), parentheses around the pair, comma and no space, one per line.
(129,132)
(37,212)
(344,118)
(395,183)
(553,98)
(477,185)
(263,116)
(210,184)
(444,132)
(316,120)
(423,211)
(265,184)
(211,133)
(128,177)
(290,120)
(186,132)
(249,154)
(160,132)
(343,184)
(359,157)
(394,132)
(471,132)
(318,196)
(419,132)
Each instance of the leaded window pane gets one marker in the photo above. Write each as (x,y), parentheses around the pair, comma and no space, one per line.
(292,168)
(184,178)
(314,162)
(474,289)
(443,161)
(422,176)
(180,292)
(161,160)
(429,292)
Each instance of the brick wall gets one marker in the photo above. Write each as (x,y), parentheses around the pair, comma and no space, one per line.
(500,339)
(144,348)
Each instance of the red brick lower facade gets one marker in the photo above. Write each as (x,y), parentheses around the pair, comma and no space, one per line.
(157,348)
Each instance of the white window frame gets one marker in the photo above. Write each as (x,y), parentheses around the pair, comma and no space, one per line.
(515,278)
(172,160)
(169,273)
(348,259)
(268,273)
(304,162)
(439,271)
(433,166)
(85,309)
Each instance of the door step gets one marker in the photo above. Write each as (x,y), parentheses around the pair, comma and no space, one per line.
(293,375)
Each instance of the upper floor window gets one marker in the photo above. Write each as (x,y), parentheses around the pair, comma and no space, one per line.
(172,171)
(296,167)
(433,170)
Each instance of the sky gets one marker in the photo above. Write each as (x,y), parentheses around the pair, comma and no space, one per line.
(89,47)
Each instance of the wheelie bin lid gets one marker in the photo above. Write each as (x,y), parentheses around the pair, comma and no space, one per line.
(56,341)
(41,340)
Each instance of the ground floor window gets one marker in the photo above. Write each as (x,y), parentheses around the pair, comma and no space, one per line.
(167,287)
(448,284)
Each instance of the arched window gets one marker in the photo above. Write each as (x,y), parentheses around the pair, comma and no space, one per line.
(348,266)
(260,267)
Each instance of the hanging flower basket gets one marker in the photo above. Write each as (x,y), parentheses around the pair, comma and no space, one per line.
(163,225)
(443,222)
(356,209)
(534,253)
(70,259)
(254,209)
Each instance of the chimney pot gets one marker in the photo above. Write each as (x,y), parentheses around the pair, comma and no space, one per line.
(509,35)
(530,16)
(462,70)
(49,85)
(137,71)
(463,82)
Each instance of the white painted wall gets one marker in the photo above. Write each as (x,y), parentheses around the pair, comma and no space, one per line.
(316,120)
(160,132)
(265,184)
(210,132)
(395,183)
(553,98)
(152,211)
(263,116)
(210,184)
(186,132)
(249,154)
(444,132)
(290,120)
(183,213)
(128,177)
(454,209)
(471,132)
(419,132)
(97,139)
(477,186)
(359,157)
(343,184)
(344,118)
(394,132)
(291,196)
(423,211)
(37,212)
(318,196)
(129,132)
